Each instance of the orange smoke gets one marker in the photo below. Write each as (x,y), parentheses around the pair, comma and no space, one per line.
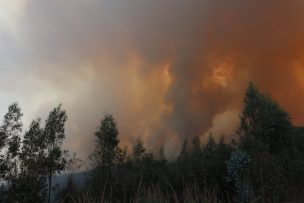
(167,70)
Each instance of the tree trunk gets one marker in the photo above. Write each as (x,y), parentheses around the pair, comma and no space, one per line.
(50,188)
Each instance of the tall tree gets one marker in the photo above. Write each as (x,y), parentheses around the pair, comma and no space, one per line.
(54,133)
(33,149)
(266,135)
(106,154)
(265,121)
(32,180)
(107,142)
(10,142)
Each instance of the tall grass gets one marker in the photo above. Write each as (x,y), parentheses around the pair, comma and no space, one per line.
(151,194)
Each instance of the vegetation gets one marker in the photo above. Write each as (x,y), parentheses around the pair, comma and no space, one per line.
(27,164)
(264,163)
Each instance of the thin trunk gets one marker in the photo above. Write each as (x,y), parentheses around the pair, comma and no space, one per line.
(50,188)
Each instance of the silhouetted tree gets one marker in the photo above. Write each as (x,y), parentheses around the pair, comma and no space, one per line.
(54,133)
(10,136)
(10,141)
(106,154)
(107,142)
(32,182)
(264,165)
(265,121)
(138,152)
(267,136)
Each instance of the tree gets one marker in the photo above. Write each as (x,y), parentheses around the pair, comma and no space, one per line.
(138,152)
(184,167)
(10,133)
(264,121)
(107,142)
(266,135)
(196,145)
(32,155)
(32,181)
(10,142)
(54,133)
(211,145)
(184,151)
(106,154)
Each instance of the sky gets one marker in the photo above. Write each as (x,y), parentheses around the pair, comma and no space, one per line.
(167,70)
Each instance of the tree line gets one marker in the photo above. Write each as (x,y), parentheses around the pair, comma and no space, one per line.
(263,163)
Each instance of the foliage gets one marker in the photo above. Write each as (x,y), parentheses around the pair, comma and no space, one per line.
(106,155)
(26,161)
(10,142)
(32,165)
(264,165)
(267,136)
(237,167)
(264,124)
(54,133)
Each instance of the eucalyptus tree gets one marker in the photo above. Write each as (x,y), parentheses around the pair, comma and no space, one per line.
(54,134)
(10,138)
(106,154)
(32,182)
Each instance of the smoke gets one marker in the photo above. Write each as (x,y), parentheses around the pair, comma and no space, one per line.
(166,70)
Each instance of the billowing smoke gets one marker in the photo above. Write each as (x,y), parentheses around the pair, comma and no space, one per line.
(167,70)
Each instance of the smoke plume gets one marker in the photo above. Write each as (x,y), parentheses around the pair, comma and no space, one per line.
(167,70)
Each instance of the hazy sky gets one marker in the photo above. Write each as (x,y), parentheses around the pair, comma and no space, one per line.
(166,70)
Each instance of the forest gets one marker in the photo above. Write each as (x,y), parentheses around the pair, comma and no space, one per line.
(263,163)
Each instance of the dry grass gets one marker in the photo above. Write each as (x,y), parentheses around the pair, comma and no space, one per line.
(153,194)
